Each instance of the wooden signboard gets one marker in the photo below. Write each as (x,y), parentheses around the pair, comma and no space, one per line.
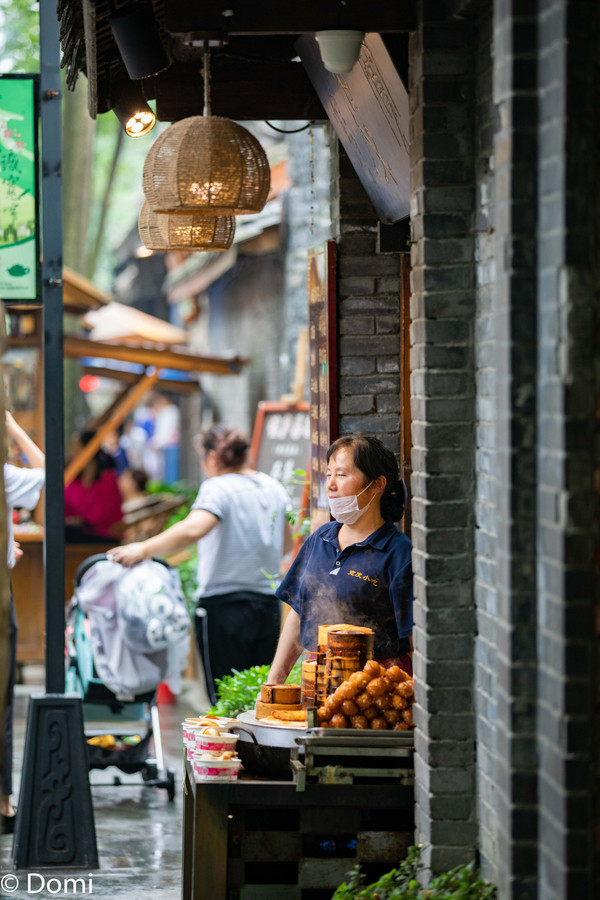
(368,108)
(281,445)
(323,373)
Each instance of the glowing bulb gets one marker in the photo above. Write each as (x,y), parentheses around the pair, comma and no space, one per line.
(140,123)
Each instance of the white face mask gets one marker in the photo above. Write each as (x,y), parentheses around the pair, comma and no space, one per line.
(345,509)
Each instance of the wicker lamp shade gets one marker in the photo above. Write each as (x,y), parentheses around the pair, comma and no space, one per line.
(196,231)
(206,164)
(150,234)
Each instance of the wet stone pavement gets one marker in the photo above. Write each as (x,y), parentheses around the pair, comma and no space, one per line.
(138,830)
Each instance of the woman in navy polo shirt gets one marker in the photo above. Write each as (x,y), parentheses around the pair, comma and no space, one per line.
(356,569)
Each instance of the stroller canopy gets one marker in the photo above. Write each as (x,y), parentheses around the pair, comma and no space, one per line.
(139,624)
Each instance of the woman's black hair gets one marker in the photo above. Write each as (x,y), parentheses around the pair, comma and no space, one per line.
(230,444)
(102,459)
(139,477)
(374,459)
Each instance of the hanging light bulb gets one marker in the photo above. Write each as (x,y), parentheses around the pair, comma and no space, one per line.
(195,231)
(206,164)
(132,110)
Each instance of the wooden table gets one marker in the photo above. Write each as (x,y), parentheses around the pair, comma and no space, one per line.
(256,839)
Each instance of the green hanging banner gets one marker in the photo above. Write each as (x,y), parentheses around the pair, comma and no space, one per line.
(19,257)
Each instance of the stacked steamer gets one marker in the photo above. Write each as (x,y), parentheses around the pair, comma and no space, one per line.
(280,703)
(375,697)
(342,650)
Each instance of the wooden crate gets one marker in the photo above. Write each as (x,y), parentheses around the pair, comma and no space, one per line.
(263,840)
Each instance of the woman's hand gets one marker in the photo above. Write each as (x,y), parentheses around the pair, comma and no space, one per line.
(288,650)
(129,554)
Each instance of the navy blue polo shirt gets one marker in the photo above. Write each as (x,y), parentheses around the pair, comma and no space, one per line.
(368,584)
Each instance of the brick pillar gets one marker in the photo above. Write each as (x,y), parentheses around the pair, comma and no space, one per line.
(443,433)
(368,318)
(514,303)
(569,286)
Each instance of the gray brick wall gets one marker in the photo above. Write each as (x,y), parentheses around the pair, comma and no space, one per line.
(368,314)
(443,430)
(568,283)
(486,594)
(515,315)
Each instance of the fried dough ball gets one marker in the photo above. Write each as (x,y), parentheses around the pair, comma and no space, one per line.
(407,715)
(378,723)
(370,712)
(391,716)
(364,700)
(405,688)
(338,721)
(361,680)
(347,690)
(359,721)
(372,669)
(322,714)
(333,703)
(399,702)
(349,708)
(383,701)
(376,687)
(401,726)
(396,674)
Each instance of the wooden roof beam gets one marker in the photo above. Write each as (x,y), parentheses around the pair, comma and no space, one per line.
(148,356)
(193,21)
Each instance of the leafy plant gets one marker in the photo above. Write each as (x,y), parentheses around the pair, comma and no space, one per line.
(461,883)
(237,692)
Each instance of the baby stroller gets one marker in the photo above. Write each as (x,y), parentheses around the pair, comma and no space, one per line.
(127,631)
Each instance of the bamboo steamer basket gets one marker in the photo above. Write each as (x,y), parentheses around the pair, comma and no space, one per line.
(343,649)
(309,683)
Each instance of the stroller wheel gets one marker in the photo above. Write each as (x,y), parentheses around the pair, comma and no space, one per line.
(171,784)
(150,770)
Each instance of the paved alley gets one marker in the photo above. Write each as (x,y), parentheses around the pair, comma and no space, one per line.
(138,831)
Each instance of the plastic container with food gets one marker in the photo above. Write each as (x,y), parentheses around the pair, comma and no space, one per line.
(208,768)
(207,739)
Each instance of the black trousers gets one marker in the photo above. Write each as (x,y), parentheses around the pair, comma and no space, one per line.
(10,702)
(239,630)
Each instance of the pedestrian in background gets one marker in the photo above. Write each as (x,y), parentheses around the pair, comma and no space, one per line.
(239,522)
(92,499)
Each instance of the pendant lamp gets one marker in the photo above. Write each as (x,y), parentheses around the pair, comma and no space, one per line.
(150,234)
(206,164)
(196,231)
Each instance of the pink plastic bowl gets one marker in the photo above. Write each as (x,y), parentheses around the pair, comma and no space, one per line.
(216,769)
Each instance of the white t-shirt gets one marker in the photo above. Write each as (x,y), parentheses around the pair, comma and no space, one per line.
(22,488)
(246,545)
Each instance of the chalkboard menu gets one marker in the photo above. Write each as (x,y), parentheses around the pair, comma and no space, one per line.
(281,445)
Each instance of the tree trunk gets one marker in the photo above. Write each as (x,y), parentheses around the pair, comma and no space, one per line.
(77,152)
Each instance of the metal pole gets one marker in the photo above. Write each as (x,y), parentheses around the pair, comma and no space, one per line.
(55,824)
(52,316)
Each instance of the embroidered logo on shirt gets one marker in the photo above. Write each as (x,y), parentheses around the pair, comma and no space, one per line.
(362,577)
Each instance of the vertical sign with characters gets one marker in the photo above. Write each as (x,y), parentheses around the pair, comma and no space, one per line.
(323,373)
(18,188)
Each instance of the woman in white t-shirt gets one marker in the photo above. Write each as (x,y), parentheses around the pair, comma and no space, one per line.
(239,522)
(22,488)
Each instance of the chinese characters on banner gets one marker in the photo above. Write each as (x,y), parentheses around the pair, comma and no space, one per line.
(18,207)
(323,373)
